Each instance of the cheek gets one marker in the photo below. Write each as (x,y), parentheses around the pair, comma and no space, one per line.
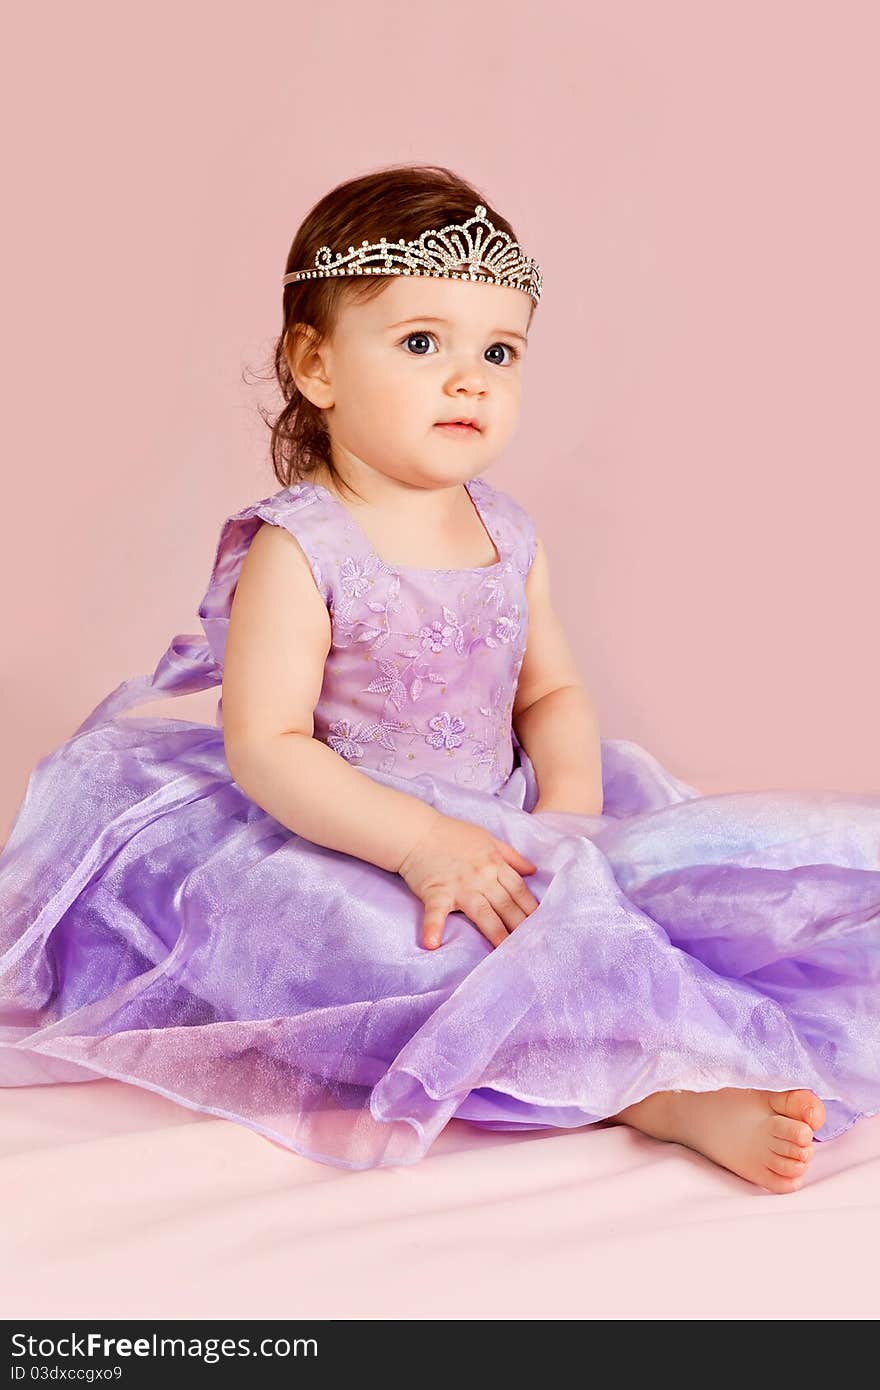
(392,383)
(365,390)
(408,391)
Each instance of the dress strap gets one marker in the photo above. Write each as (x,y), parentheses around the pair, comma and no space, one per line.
(512,526)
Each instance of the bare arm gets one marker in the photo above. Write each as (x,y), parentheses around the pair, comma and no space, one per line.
(279,636)
(553,714)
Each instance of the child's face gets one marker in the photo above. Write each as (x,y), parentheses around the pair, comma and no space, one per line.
(384,383)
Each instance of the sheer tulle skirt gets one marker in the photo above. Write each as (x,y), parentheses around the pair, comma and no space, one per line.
(158,927)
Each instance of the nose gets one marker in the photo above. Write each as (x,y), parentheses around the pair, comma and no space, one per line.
(470,380)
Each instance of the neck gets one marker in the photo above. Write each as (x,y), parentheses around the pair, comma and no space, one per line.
(435,505)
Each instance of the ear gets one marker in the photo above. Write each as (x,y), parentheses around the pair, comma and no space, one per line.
(303,350)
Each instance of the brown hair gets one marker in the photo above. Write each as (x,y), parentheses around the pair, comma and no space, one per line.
(397,201)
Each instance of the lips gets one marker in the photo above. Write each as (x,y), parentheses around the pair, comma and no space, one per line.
(458,426)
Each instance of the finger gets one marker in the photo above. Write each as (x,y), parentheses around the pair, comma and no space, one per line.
(436,911)
(519,861)
(486,919)
(502,898)
(519,891)
(509,912)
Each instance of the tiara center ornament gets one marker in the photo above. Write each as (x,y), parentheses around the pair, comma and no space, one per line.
(490,255)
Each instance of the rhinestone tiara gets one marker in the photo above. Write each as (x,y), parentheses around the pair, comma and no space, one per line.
(491,256)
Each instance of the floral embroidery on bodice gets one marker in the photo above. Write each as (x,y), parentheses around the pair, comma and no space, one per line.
(422,670)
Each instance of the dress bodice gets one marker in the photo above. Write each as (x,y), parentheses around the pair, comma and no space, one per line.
(422,669)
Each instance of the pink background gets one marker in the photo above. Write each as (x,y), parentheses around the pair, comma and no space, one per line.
(699,439)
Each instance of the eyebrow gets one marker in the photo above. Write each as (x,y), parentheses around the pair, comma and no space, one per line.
(430,318)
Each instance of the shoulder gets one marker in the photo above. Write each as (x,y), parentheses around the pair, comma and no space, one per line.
(512,522)
(285,528)
(277,550)
(275,593)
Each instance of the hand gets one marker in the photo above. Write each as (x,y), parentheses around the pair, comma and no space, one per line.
(460,866)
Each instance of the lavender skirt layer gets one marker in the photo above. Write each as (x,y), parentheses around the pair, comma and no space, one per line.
(159,927)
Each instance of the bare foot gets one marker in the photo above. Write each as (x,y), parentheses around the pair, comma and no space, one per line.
(763,1136)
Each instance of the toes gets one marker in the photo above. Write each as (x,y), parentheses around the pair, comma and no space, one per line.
(802,1152)
(817,1118)
(800,1104)
(794,1131)
(786,1167)
(775,1183)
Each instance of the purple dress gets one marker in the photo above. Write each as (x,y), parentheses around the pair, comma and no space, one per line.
(159,927)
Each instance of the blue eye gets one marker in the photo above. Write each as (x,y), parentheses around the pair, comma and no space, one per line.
(514,352)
